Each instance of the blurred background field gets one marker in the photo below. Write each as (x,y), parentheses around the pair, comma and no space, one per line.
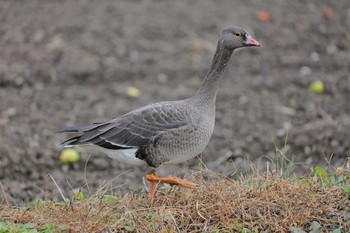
(66,63)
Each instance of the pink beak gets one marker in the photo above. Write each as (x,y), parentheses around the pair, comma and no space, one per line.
(250,41)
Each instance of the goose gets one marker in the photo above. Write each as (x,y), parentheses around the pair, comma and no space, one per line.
(167,132)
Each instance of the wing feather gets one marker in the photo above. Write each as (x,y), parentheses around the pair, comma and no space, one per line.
(134,129)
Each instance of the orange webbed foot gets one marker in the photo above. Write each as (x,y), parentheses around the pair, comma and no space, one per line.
(154,179)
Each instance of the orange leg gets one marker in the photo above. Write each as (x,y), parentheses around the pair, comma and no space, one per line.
(154,179)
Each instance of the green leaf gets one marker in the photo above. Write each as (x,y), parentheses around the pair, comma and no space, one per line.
(167,218)
(246,230)
(4,228)
(129,228)
(340,179)
(49,229)
(109,198)
(21,228)
(346,189)
(38,202)
(338,230)
(150,215)
(333,180)
(315,227)
(297,230)
(321,173)
(79,195)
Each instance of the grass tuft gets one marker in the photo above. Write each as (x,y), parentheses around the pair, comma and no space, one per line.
(270,203)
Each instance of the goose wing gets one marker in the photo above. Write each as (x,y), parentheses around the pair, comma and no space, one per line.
(134,129)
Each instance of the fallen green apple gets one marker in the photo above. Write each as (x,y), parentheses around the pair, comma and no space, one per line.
(316,87)
(69,156)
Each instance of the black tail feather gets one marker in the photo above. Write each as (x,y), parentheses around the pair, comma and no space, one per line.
(70,141)
(81,128)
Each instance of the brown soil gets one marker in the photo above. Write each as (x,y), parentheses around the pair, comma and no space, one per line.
(66,63)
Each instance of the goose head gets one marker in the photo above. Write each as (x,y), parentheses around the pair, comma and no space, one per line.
(236,37)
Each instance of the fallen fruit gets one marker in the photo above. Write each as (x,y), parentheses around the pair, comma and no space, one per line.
(69,156)
(316,87)
(133,92)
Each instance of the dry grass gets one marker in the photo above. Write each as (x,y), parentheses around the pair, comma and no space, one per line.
(255,204)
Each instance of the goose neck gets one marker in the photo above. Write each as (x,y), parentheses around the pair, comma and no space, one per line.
(208,90)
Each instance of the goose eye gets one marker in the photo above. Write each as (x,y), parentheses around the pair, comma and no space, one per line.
(238,34)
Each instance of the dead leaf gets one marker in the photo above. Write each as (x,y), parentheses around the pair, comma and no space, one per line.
(264,16)
(328,12)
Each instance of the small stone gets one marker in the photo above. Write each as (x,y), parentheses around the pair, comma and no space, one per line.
(307,150)
(332,48)
(304,71)
(296,230)
(280,132)
(315,57)
(239,161)
(10,111)
(56,44)
(315,227)
(38,36)
(322,28)
(243,99)
(292,103)
(134,55)
(100,163)
(309,160)
(19,81)
(162,77)
(237,152)
(334,143)
(39,86)
(249,138)
(110,61)
(240,114)
(121,50)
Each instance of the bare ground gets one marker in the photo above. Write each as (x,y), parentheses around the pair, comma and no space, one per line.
(64,63)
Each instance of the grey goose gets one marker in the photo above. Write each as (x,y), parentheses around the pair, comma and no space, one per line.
(166,132)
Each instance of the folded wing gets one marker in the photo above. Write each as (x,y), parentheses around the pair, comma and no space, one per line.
(134,129)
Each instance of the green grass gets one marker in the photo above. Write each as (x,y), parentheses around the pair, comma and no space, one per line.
(25,228)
